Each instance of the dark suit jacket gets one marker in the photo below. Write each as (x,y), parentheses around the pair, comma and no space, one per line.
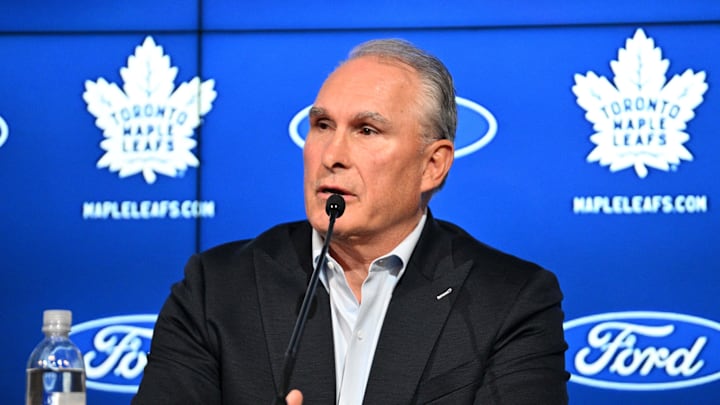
(497,338)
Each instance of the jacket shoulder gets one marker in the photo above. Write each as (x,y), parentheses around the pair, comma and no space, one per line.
(279,234)
(488,259)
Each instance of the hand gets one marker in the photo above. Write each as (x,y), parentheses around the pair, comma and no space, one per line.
(294,397)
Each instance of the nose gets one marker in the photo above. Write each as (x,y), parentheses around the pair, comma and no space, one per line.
(336,153)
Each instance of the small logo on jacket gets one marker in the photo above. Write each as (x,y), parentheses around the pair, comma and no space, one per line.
(148,126)
(643,351)
(476,127)
(115,350)
(640,120)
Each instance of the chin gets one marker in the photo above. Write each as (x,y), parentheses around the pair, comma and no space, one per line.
(318,219)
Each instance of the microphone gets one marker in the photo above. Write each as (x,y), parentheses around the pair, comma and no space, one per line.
(334,207)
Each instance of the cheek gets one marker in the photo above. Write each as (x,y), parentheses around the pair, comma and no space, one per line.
(397,181)
(307,152)
(310,156)
(385,178)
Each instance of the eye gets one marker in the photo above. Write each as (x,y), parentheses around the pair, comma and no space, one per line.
(321,124)
(368,130)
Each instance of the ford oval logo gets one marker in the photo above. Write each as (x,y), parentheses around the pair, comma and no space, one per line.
(476,127)
(643,351)
(115,350)
(4,131)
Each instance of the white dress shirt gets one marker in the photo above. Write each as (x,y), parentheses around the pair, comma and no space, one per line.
(356,326)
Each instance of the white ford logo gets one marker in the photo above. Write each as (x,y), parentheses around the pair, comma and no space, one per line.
(4,131)
(643,351)
(476,127)
(115,350)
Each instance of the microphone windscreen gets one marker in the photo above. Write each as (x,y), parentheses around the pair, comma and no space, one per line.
(335,203)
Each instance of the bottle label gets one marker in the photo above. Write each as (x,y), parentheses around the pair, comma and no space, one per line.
(67,398)
(55,387)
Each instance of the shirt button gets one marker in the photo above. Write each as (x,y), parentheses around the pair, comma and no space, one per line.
(331,265)
(360,335)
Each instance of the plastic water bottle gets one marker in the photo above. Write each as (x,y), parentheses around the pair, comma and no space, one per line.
(55,370)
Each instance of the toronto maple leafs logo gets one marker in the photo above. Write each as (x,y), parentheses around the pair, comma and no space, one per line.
(148,126)
(640,121)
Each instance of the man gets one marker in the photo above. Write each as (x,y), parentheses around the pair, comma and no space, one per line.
(411,309)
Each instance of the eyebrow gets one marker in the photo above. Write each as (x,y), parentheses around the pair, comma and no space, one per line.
(314,111)
(370,115)
(365,115)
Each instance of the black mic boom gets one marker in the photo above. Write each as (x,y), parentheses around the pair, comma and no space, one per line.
(335,207)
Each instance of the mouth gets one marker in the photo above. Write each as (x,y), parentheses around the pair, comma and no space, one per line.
(327,191)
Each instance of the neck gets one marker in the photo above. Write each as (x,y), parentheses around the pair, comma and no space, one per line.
(355,253)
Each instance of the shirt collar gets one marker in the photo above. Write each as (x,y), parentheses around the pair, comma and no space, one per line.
(404,250)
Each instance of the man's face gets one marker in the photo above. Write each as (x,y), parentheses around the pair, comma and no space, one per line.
(365,143)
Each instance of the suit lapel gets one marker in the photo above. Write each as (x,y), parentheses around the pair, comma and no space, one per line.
(419,307)
(283,267)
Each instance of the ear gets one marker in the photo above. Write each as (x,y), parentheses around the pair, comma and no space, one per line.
(438,159)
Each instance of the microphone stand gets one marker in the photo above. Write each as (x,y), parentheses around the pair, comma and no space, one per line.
(335,207)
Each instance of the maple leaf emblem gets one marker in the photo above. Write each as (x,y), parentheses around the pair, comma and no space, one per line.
(640,121)
(148,126)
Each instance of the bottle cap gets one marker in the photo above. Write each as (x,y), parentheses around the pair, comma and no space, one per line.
(57,320)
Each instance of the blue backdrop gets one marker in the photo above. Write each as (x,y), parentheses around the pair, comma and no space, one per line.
(132,136)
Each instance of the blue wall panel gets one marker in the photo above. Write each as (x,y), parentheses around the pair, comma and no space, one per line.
(79,236)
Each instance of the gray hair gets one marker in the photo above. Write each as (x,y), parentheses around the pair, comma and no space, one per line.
(439,100)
